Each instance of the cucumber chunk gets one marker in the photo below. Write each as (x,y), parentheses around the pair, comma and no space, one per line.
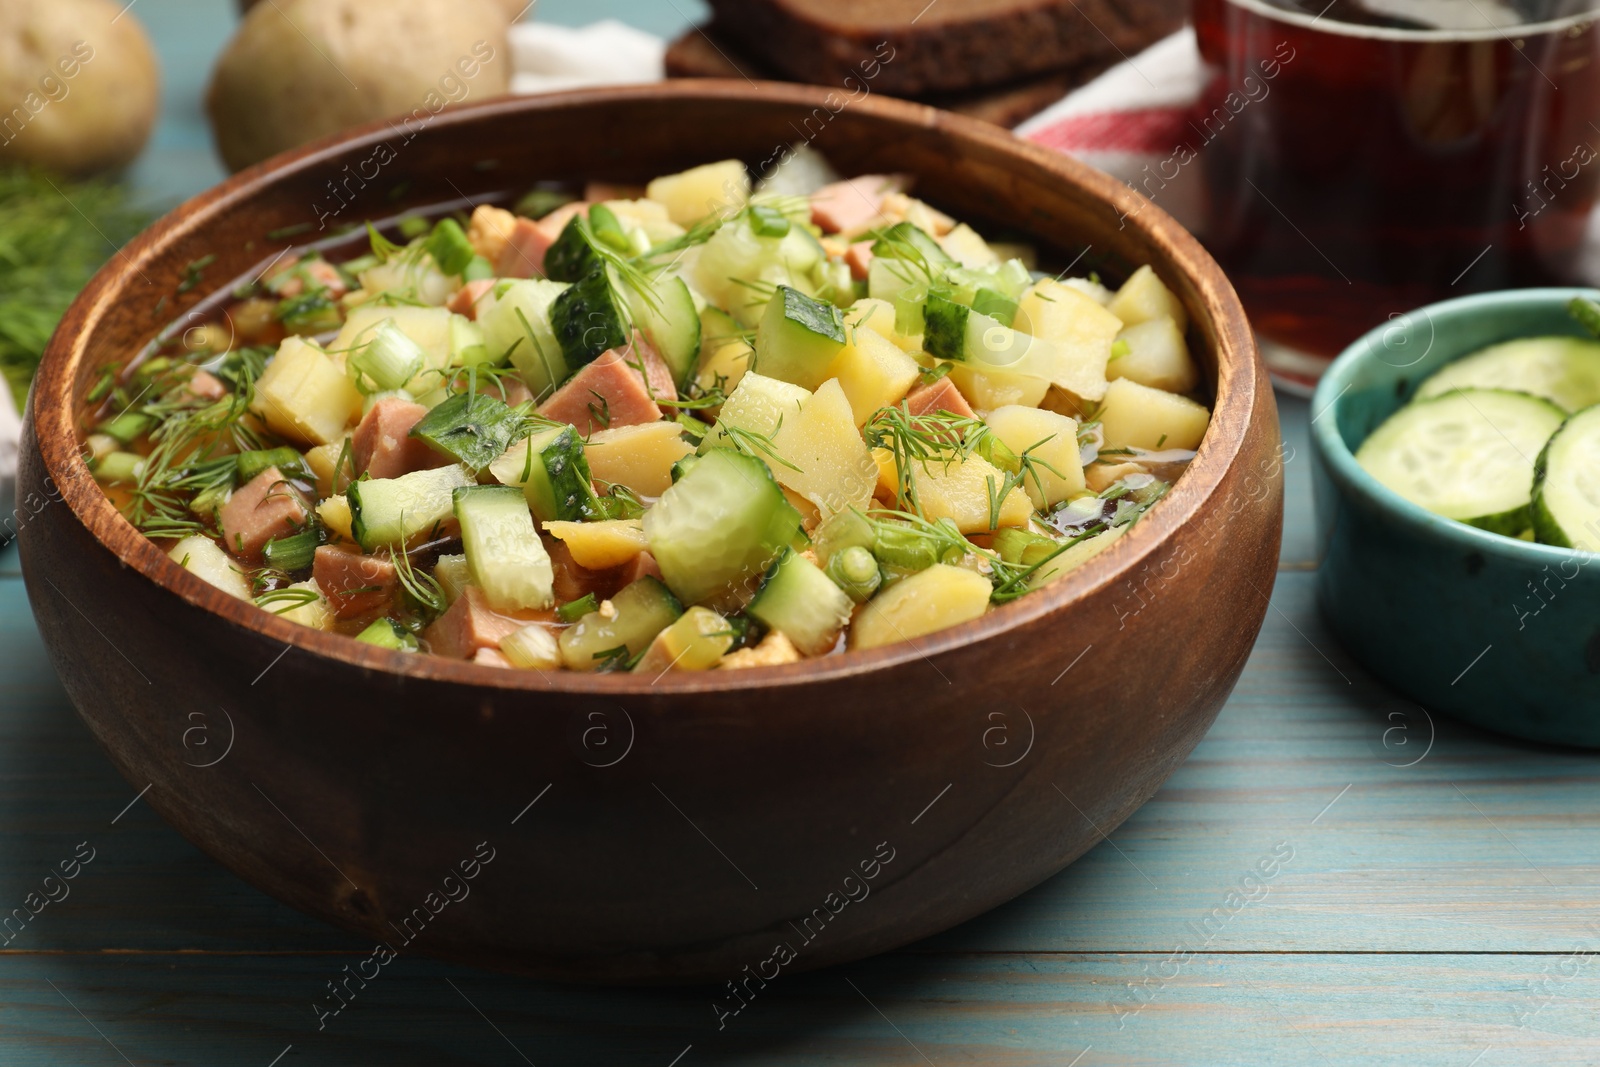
(590,317)
(798,339)
(386,633)
(945,327)
(504,554)
(715,531)
(802,603)
(574,254)
(664,311)
(516,326)
(1467,455)
(1563,370)
(471,428)
(1566,491)
(392,511)
(612,638)
(552,472)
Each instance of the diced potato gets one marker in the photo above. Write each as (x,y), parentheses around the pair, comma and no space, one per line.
(204,559)
(1137,416)
(696,642)
(1075,557)
(831,465)
(964,246)
(638,457)
(1079,327)
(935,599)
(651,216)
(713,189)
(724,363)
(872,372)
(323,462)
(994,387)
(1050,439)
(960,491)
(317,614)
(600,545)
(1143,297)
(1091,289)
(1157,356)
(334,511)
(878,316)
(757,405)
(304,396)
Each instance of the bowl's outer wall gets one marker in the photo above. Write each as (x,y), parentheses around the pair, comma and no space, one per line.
(730,810)
(1419,599)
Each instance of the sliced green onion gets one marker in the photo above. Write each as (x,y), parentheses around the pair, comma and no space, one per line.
(532,647)
(119,468)
(449,247)
(386,633)
(603,223)
(287,460)
(388,361)
(127,426)
(574,610)
(768,221)
(292,553)
(855,570)
(477,270)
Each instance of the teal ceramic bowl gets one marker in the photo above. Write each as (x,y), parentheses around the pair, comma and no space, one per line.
(1502,633)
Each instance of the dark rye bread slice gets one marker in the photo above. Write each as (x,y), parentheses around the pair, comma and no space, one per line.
(918,47)
(705,53)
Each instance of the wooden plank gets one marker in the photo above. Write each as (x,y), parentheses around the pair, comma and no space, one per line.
(1006,1011)
(1483,844)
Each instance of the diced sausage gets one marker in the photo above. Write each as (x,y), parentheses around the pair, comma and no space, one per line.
(854,205)
(380,445)
(261,510)
(465,302)
(606,393)
(470,626)
(206,386)
(320,272)
(859,258)
(523,254)
(574,582)
(356,586)
(656,371)
(942,395)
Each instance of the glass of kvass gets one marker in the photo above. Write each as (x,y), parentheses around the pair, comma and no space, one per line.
(1366,157)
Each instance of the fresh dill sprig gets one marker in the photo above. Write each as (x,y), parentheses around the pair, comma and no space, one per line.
(54,234)
(422,587)
(759,445)
(279,601)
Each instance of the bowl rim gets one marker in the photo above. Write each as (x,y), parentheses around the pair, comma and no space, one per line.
(1353,479)
(1238,393)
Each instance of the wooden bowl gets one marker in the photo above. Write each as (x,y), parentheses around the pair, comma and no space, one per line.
(684,828)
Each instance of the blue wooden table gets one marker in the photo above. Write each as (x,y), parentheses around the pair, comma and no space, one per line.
(1435,897)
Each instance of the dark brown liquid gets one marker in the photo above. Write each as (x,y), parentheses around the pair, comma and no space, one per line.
(1352,177)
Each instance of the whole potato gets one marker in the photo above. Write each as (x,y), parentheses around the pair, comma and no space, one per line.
(79,92)
(301,69)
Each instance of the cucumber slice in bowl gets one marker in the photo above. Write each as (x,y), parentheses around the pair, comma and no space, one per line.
(1563,370)
(1467,455)
(1566,490)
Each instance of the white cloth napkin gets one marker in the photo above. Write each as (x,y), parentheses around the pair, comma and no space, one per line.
(546,58)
